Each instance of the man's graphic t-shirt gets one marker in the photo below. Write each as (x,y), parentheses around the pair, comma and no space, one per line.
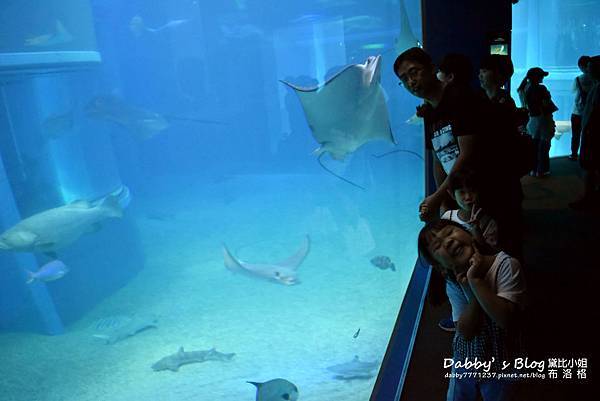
(458,113)
(445,146)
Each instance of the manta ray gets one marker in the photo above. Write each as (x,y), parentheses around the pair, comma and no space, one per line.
(347,111)
(283,272)
(406,39)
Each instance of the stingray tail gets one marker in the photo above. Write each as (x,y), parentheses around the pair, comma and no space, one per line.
(398,151)
(337,175)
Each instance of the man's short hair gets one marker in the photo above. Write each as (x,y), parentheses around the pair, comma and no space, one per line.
(500,64)
(415,54)
(583,61)
(594,67)
(459,65)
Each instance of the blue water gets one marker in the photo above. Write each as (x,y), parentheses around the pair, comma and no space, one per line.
(553,34)
(233,166)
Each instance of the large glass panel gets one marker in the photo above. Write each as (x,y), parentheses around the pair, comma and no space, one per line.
(260,258)
(553,34)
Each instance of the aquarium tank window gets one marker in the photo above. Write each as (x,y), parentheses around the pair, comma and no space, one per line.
(553,34)
(46,33)
(208,200)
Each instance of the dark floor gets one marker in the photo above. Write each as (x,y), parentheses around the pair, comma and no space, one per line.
(561,264)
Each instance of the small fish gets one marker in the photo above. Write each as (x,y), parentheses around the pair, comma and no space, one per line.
(49,272)
(138,27)
(357,333)
(383,262)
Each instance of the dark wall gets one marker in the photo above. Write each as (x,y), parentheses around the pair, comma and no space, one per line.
(463,26)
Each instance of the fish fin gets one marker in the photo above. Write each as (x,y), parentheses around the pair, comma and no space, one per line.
(296,259)
(230,261)
(28,236)
(82,203)
(30,277)
(256,384)
(112,207)
(180,351)
(393,267)
(42,245)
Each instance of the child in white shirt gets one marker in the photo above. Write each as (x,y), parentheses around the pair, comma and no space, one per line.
(463,187)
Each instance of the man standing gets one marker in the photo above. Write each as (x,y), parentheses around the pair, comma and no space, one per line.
(450,131)
(582,85)
(461,131)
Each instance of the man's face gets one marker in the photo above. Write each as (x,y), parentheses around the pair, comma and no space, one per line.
(416,78)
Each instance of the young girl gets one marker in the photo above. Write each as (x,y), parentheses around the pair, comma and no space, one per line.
(463,187)
(486,291)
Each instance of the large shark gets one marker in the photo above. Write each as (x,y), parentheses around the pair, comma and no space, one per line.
(283,272)
(56,228)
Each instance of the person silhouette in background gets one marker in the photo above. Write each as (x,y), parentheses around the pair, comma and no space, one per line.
(589,156)
(582,85)
(541,123)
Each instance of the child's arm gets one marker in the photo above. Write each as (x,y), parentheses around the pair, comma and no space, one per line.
(469,322)
(497,308)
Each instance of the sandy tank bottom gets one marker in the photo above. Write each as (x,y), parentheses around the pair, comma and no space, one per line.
(275,331)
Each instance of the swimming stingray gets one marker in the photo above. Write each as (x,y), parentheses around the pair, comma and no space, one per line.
(283,272)
(143,124)
(347,111)
(406,39)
